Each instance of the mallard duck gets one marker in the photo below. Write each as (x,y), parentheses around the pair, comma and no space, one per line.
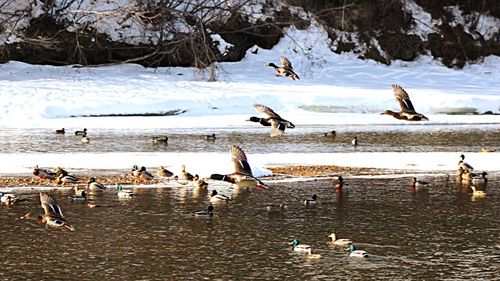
(123,193)
(339,185)
(42,174)
(242,174)
(199,183)
(216,197)
(479,178)
(162,172)
(286,70)
(485,149)
(85,139)
(355,141)
(80,195)
(356,253)
(331,134)
(81,133)
(297,247)
(210,137)
(280,207)
(53,216)
(8,198)
(278,124)
(93,185)
(61,131)
(208,213)
(160,139)
(477,193)
(311,200)
(420,184)
(185,175)
(134,172)
(144,175)
(464,165)
(407,111)
(62,179)
(340,242)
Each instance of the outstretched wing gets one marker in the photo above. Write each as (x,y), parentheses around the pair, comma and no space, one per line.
(49,204)
(240,162)
(278,128)
(403,99)
(267,111)
(286,63)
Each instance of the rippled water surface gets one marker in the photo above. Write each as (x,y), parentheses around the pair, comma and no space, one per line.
(444,233)
(414,138)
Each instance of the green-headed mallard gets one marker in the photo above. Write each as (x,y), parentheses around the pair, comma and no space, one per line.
(356,253)
(278,124)
(53,216)
(208,213)
(8,198)
(311,200)
(93,185)
(144,175)
(122,193)
(297,247)
(479,178)
(464,165)
(242,174)
(407,111)
(81,133)
(286,70)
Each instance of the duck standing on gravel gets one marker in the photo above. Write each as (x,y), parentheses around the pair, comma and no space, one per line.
(286,70)
(278,124)
(407,111)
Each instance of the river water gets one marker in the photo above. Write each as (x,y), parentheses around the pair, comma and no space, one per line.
(444,233)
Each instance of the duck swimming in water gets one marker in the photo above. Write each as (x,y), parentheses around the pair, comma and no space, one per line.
(272,119)
(407,111)
(286,70)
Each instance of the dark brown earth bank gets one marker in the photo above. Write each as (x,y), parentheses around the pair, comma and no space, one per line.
(383,31)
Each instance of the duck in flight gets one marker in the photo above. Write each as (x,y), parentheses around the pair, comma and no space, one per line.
(407,111)
(278,124)
(286,70)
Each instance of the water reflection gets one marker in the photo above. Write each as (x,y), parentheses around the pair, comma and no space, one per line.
(153,236)
(371,139)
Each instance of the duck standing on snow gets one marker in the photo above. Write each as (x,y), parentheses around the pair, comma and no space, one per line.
(53,216)
(286,70)
(242,175)
(407,111)
(278,124)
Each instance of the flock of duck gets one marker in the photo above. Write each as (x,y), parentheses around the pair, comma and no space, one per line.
(242,175)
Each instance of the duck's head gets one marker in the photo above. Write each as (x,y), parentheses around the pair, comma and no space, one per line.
(351,248)
(253,119)
(135,168)
(2,194)
(295,242)
(389,112)
(143,169)
(314,197)
(271,65)
(183,167)
(333,236)
(31,216)
(210,208)
(340,179)
(462,157)
(484,174)
(214,192)
(196,177)
(91,180)
(414,180)
(119,187)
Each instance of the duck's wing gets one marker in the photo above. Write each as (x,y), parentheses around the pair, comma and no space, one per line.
(277,128)
(267,111)
(49,204)
(403,99)
(285,62)
(240,161)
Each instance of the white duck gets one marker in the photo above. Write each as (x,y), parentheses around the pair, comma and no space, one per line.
(340,242)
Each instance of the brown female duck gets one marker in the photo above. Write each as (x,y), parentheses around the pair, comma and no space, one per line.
(407,111)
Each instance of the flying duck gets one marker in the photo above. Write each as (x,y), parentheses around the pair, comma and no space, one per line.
(53,216)
(407,111)
(286,70)
(242,175)
(278,124)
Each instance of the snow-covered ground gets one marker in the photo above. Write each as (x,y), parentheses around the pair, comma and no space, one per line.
(333,89)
